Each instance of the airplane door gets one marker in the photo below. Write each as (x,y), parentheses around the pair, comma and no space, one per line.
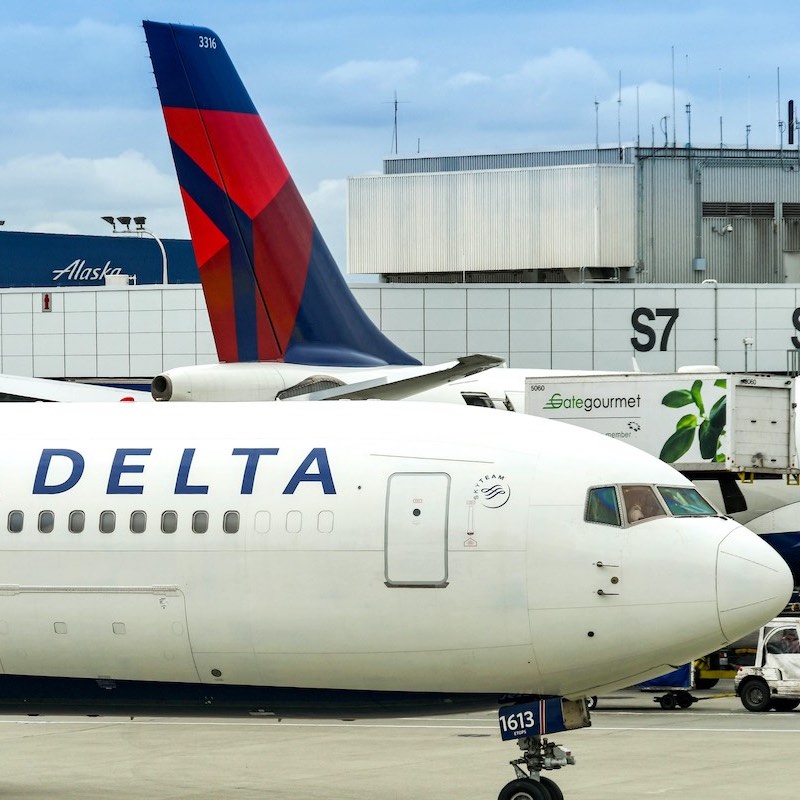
(416,529)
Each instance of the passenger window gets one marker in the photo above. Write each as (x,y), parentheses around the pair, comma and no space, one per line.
(641,503)
(15,521)
(230,522)
(325,521)
(138,522)
(169,522)
(263,521)
(686,502)
(77,521)
(294,522)
(200,521)
(46,521)
(108,521)
(602,506)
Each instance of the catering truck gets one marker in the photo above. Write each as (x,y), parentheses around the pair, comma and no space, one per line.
(702,422)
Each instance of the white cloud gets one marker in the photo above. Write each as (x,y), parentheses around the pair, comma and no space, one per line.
(468,79)
(382,74)
(55,193)
(565,65)
(328,206)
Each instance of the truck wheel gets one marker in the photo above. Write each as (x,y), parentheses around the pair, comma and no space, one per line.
(784,704)
(755,695)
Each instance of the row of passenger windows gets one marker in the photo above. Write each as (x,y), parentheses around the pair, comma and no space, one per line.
(107,522)
(613,505)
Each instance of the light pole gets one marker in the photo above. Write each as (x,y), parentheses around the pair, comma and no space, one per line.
(139,230)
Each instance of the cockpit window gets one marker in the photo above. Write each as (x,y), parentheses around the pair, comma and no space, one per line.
(602,506)
(641,503)
(686,502)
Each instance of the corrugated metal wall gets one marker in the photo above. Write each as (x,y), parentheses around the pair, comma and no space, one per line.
(405,165)
(560,217)
(663,210)
(672,193)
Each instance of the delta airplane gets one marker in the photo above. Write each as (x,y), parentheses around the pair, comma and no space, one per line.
(283,318)
(351,559)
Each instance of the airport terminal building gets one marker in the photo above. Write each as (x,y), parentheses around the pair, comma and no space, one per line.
(573,259)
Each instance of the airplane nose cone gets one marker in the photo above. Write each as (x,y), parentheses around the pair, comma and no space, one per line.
(753,583)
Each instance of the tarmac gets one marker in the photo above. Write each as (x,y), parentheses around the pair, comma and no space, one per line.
(714,750)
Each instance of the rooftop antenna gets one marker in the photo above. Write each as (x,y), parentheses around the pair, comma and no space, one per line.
(748,100)
(674,136)
(638,139)
(689,124)
(395,102)
(780,121)
(597,128)
(394,129)
(720,106)
(619,115)
(665,129)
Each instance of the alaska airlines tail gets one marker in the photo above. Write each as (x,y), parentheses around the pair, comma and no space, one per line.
(272,288)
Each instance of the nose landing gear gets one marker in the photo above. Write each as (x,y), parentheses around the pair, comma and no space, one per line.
(538,754)
(526,724)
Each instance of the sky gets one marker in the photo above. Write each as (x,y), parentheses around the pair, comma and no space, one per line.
(82,134)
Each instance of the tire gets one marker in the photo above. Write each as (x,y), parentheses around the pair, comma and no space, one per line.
(552,787)
(591,702)
(755,695)
(784,704)
(685,699)
(668,702)
(525,789)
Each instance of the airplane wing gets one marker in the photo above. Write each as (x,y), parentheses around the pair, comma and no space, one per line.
(17,388)
(383,389)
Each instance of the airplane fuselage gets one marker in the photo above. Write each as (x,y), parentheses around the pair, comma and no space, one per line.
(367,546)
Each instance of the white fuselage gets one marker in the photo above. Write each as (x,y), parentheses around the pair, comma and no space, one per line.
(352,545)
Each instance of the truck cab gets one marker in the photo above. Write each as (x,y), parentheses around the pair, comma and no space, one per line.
(773,682)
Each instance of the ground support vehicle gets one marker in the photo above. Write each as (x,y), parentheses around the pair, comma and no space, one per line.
(773,682)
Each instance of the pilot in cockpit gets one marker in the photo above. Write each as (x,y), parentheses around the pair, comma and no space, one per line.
(641,503)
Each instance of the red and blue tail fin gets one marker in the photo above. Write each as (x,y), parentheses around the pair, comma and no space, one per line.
(272,288)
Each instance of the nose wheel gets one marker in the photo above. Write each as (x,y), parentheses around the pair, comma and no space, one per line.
(530,789)
(538,754)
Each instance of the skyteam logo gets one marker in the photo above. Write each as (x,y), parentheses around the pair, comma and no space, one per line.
(492,491)
(78,272)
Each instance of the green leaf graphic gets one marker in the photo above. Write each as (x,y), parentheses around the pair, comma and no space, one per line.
(677,445)
(721,383)
(677,398)
(719,413)
(695,391)
(687,421)
(708,437)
